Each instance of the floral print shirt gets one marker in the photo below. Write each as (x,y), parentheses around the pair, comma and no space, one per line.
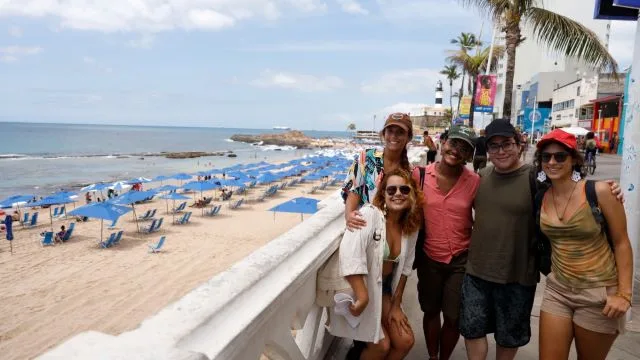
(364,175)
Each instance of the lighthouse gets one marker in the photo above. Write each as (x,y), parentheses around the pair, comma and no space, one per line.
(439,94)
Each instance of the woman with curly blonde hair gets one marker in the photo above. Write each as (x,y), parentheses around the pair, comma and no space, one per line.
(376,261)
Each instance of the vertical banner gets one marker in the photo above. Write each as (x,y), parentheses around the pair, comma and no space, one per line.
(485,93)
(465,107)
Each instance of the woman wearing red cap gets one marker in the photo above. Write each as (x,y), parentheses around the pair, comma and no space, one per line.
(588,290)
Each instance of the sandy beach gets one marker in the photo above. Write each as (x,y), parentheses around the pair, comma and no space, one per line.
(51,293)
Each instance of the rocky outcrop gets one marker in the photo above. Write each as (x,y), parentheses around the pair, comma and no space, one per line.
(291,138)
(191,154)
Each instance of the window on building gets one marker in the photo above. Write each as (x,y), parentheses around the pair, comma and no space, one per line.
(578,91)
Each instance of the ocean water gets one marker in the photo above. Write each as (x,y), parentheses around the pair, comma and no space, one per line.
(41,158)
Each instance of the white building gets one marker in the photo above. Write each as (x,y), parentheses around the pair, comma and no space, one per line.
(571,103)
(533,58)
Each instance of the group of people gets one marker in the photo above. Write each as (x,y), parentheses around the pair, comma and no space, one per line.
(480,272)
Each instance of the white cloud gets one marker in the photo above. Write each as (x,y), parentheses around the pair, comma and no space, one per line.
(301,82)
(14,53)
(403,81)
(152,16)
(15,31)
(352,7)
(621,41)
(143,42)
(411,108)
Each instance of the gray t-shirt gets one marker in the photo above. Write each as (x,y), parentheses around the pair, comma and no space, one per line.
(502,243)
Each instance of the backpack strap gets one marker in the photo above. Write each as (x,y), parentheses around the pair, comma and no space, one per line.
(542,245)
(592,199)
(421,170)
(419,253)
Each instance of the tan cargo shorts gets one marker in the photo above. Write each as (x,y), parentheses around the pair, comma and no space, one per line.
(583,306)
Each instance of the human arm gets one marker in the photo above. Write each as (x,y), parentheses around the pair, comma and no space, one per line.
(615,189)
(353,261)
(618,304)
(352,216)
(397,319)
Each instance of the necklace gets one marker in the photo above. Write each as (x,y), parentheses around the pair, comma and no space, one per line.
(553,194)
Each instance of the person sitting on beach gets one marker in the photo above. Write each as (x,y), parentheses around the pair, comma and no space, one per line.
(16,216)
(383,249)
(60,235)
(87,197)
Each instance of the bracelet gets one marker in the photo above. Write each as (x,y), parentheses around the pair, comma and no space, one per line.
(624,296)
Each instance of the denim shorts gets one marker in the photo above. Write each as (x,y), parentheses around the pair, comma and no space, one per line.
(501,309)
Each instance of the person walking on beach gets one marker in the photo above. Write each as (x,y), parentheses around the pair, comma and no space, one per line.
(433,149)
(499,286)
(383,249)
(588,291)
(480,155)
(449,189)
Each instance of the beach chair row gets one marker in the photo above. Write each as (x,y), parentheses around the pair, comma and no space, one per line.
(48,239)
(150,214)
(30,223)
(180,208)
(215,210)
(114,239)
(184,219)
(153,227)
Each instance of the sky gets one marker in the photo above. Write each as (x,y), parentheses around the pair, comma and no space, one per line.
(308,64)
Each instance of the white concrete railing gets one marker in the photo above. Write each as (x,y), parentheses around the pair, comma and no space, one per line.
(242,313)
(248,310)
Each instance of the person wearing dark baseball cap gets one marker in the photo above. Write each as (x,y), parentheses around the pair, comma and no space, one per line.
(499,286)
(588,289)
(449,188)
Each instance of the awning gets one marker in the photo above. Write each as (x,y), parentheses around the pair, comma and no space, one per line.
(561,123)
(606,99)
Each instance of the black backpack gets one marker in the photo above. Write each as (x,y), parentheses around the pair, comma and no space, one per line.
(543,245)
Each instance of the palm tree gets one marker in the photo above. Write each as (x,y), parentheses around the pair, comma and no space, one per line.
(451,72)
(558,32)
(351,127)
(466,43)
(474,65)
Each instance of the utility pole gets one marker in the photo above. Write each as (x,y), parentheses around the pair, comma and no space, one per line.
(533,117)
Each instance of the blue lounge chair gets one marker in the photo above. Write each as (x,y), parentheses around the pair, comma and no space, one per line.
(34,220)
(55,212)
(145,216)
(180,208)
(116,241)
(25,219)
(236,204)
(157,246)
(158,225)
(69,232)
(150,228)
(47,239)
(109,242)
(153,214)
(214,211)
(184,219)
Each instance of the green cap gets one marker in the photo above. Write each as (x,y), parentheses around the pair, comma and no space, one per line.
(463,133)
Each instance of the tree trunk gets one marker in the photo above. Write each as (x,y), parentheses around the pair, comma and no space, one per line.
(473,98)
(512,38)
(461,93)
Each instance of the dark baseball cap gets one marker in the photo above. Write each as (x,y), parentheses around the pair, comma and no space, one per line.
(500,127)
(463,133)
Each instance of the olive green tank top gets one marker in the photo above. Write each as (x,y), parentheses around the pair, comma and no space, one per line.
(580,254)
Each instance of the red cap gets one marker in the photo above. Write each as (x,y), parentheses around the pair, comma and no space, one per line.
(559,136)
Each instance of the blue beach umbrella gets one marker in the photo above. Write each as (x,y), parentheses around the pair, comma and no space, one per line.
(267,177)
(15,200)
(301,205)
(161,178)
(101,210)
(182,176)
(50,201)
(174,197)
(166,188)
(132,197)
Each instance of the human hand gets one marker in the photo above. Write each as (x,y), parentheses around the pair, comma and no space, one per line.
(616,306)
(358,307)
(355,220)
(616,190)
(397,320)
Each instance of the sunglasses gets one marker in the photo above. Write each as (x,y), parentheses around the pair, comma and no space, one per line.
(392,189)
(560,157)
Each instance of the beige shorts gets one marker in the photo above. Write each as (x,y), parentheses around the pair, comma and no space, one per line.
(583,306)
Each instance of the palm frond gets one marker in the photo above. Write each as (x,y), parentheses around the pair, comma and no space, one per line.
(494,8)
(570,38)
